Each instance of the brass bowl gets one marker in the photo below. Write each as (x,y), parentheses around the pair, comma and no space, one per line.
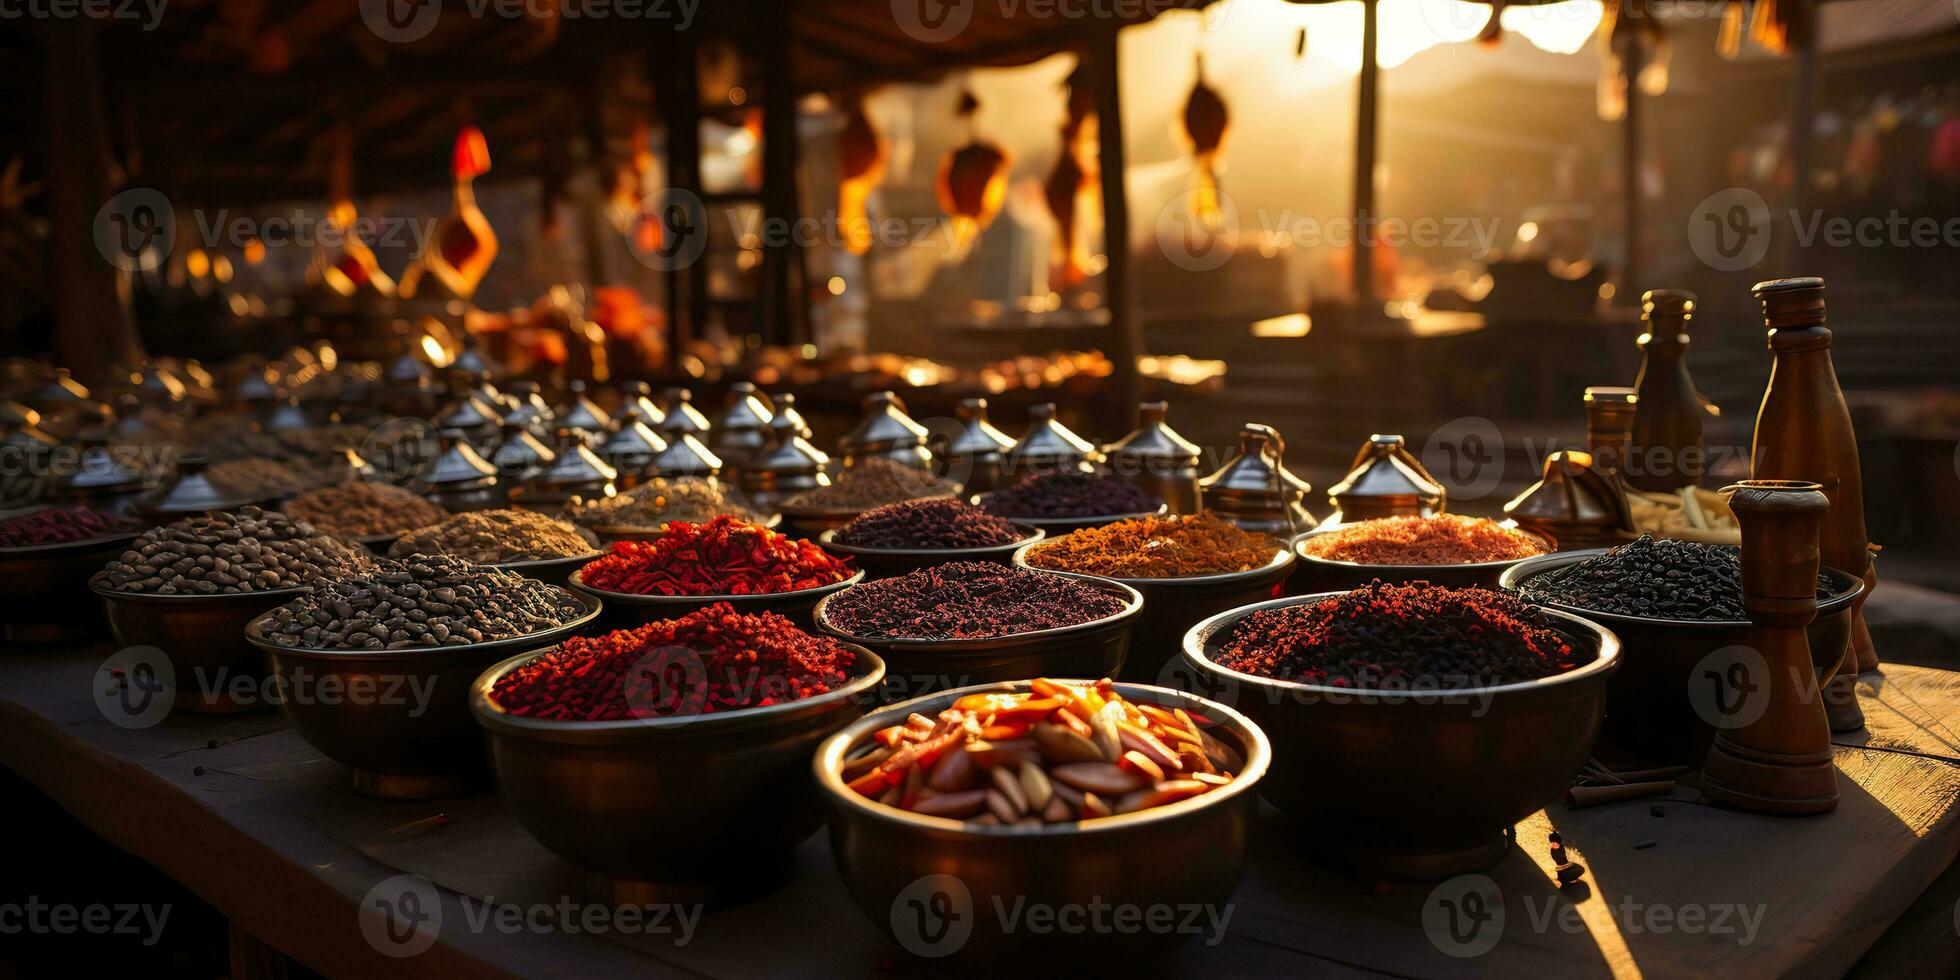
(608,533)
(917,667)
(46,597)
(625,610)
(203,637)
(1651,707)
(1186,855)
(1415,783)
(1173,605)
(400,719)
(1058,526)
(891,562)
(550,571)
(1314,574)
(683,809)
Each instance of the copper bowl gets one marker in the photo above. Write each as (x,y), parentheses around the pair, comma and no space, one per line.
(215,669)
(1314,574)
(46,597)
(1419,782)
(1652,711)
(400,719)
(899,865)
(1057,526)
(550,571)
(810,522)
(917,667)
(705,808)
(890,562)
(625,610)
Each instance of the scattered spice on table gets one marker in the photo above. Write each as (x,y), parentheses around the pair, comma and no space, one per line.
(55,525)
(937,523)
(1389,637)
(1445,539)
(249,550)
(873,482)
(722,557)
(1060,752)
(967,600)
(495,536)
(711,660)
(423,601)
(660,500)
(1157,547)
(360,508)
(1062,495)
(1667,578)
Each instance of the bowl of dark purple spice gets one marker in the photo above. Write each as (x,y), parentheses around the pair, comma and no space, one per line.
(47,557)
(899,538)
(1059,502)
(1412,726)
(873,482)
(970,622)
(1674,605)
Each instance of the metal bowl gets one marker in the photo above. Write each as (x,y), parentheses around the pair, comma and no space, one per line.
(46,598)
(1186,855)
(1651,710)
(378,543)
(1173,605)
(1415,783)
(1057,526)
(551,571)
(809,522)
(1313,574)
(889,562)
(922,666)
(400,719)
(683,809)
(625,610)
(214,668)
(608,533)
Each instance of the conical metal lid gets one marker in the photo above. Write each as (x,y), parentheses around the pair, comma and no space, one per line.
(790,452)
(520,455)
(1047,439)
(102,469)
(14,415)
(158,386)
(577,466)
(742,430)
(787,420)
(582,414)
(686,456)
(458,466)
(1153,440)
(682,416)
(469,414)
(194,493)
(1573,501)
(408,370)
(633,446)
(30,440)
(636,403)
(1385,480)
(288,417)
(1258,467)
(883,425)
(62,390)
(531,409)
(469,360)
(977,435)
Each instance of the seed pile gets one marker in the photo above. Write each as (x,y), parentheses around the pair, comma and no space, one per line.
(709,661)
(1445,539)
(659,500)
(939,522)
(360,508)
(424,601)
(873,482)
(1060,494)
(55,525)
(251,550)
(967,600)
(494,536)
(260,478)
(1156,547)
(1400,637)
(1655,578)
(722,557)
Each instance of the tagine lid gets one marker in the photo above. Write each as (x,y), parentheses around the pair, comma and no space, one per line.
(788,420)
(63,391)
(633,440)
(194,493)
(408,370)
(1572,493)
(459,463)
(153,382)
(977,435)
(583,414)
(530,408)
(686,455)
(105,470)
(790,452)
(469,414)
(577,464)
(1385,473)
(1048,438)
(884,423)
(1153,439)
(636,403)
(1258,467)
(745,408)
(682,416)
(288,417)
(520,451)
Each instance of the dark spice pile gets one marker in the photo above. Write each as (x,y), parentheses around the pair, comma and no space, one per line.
(360,509)
(940,522)
(494,536)
(1657,579)
(1445,539)
(1059,494)
(967,600)
(1400,637)
(1156,547)
(260,478)
(251,550)
(55,525)
(660,500)
(722,557)
(424,601)
(873,482)
(711,660)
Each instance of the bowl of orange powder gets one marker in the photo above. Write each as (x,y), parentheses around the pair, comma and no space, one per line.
(1447,549)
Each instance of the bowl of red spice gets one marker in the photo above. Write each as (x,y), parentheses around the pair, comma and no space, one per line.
(672,759)
(726,560)
(1059,501)
(1446,549)
(898,538)
(1412,726)
(47,557)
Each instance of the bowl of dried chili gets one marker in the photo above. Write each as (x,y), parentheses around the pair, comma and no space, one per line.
(1447,549)
(725,560)
(1412,726)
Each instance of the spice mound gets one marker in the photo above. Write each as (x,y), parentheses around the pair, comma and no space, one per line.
(1658,579)
(54,525)
(424,601)
(873,482)
(493,537)
(260,478)
(941,522)
(967,600)
(1060,753)
(1446,539)
(709,661)
(722,557)
(1400,637)
(659,500)
(360,509)
(250,550)
(1057,495)
(1156,547)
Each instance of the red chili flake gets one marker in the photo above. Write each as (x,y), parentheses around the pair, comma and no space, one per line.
(725,556)
(54,525)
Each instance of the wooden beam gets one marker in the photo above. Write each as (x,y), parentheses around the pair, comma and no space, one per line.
(1125,331)
(678,73)
(783,300)
(1630,137)
(1367,99)
(94,329)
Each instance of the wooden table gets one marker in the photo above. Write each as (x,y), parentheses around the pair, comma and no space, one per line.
(264,829)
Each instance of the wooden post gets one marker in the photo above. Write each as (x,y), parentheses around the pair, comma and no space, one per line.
(94,329)
(1367,100)
(1125,331)
(783,300)
(1802,132)
(680,104)
(1629,291)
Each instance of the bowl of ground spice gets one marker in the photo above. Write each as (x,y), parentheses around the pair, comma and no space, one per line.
(898,538)
(1412,726)
(970,622)
(46,557)
(1447,549)
(375,514)
(724,561)
(675,755)
(1059,501)
(873,482)
(1187,569)
(1675,604)
(645,511)
(376,669)
(521,541)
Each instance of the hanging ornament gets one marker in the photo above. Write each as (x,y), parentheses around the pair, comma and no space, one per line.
(464,244)
(1777,26)
(861,155)
(1071,187)
(350,267)
(972,182)
(1493,33)
(1625,39)
(1205,122)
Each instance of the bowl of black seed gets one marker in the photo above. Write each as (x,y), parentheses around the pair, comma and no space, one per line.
(374,670)
(1677,608)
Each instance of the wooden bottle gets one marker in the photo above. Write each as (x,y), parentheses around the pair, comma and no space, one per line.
(1609,425)
(1665,452)
(1777,757)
